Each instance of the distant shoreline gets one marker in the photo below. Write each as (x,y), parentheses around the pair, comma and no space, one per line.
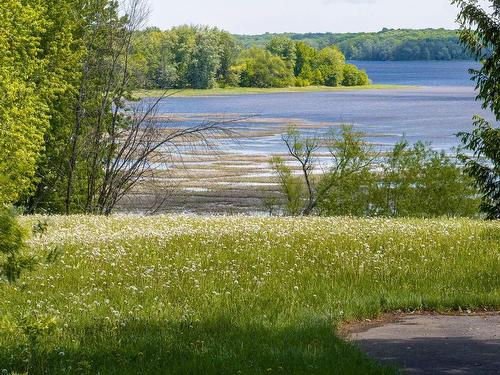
(143,94)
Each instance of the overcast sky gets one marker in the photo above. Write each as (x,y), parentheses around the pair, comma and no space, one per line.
(259,16)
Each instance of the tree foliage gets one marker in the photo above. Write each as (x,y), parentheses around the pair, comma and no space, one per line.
(330,63)
(185,56)
(352,76)
(427,44)
(260,68)
(484,163)
(36,57)
(419,181)
(480,33)
(409,181)
(12,245)
(201,57)
(71,138)
(285,48)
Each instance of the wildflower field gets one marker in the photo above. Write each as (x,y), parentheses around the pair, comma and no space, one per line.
(229,295)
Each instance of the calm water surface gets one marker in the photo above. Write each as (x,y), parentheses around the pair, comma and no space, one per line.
(434,112)
(421,73)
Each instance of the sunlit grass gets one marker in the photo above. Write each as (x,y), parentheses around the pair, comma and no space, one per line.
(179,294)
(254,90)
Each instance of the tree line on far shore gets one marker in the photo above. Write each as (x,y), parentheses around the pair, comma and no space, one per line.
(201,57)
(385,45)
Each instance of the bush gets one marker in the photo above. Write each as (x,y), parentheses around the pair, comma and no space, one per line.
(292,186)
(350,195)
(419,181)
(261,69)
(354,76)
(411,181)
(331,64)
(12,237)
(300,82)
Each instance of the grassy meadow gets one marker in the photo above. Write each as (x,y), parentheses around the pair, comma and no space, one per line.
(232,295)
(141,94)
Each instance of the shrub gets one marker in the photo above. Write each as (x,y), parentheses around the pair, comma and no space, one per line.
(261,69)
(354,76)
(12,237)
(331,64)
(300,82)
(411,181)
(292,186)
(419,181)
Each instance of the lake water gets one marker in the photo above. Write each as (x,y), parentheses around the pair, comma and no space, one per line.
(421,73)
(434,112)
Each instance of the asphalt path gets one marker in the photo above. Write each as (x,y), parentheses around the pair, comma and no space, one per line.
(434,344)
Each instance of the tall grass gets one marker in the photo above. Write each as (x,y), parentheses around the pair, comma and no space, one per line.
(178,294)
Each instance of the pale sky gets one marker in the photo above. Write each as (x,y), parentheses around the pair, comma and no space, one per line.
(260,16)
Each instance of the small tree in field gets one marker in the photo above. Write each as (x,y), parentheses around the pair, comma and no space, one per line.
(12,237)
(480,33)
(351,157)
(302,150)
(410,181)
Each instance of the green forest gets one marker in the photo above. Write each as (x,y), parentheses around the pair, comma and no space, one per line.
(202,57)
(388,44)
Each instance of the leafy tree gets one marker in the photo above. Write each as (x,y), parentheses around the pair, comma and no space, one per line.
(419,181)
(38,66)
(412,181)
(403,44)
(352,76)
(63,56)
(154,60)
(12,244)
(185,56)
(229,52)
(344,188)
(292,187)
(181,41)
(330,62)
(260,68)
(351,158)
(85,116)
(484,163)
(23,109)
(350,195)
(304,71)
(284,48)
(301,149)
(480,33)
(205,60)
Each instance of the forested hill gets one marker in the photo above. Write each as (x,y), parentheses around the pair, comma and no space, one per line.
(388,44)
